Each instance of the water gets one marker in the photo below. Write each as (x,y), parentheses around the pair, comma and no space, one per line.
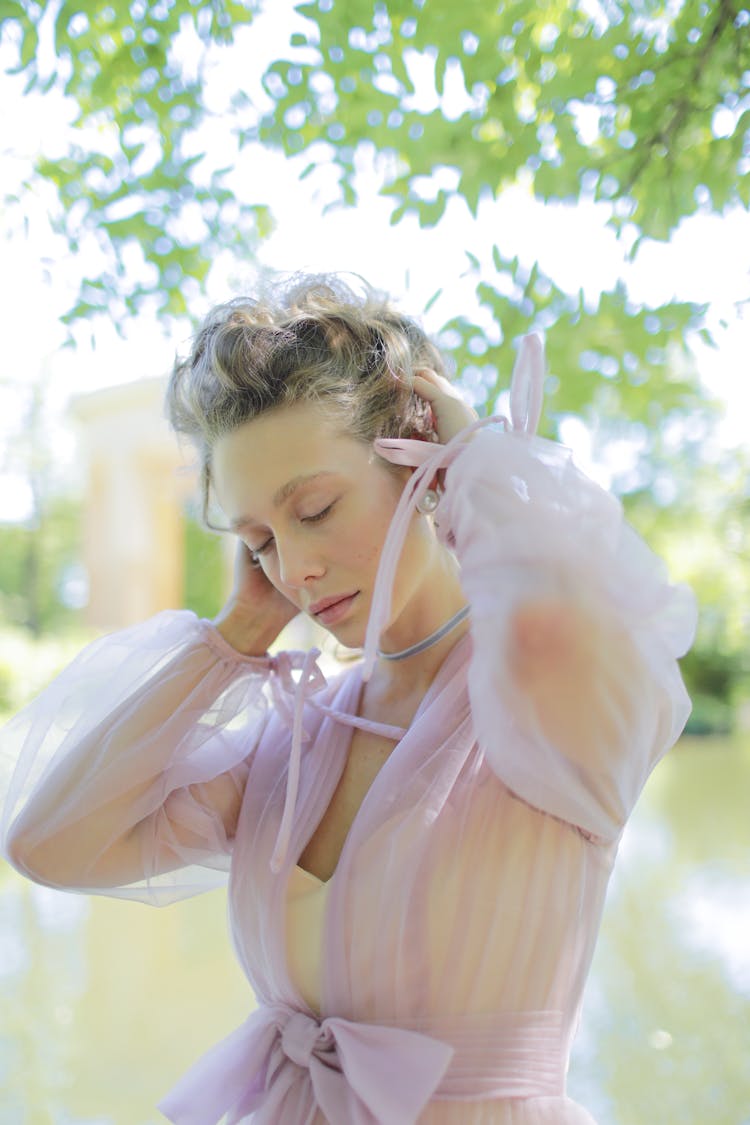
(105,1003)
(666,1026)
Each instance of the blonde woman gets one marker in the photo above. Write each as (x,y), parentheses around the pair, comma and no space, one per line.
(417,850)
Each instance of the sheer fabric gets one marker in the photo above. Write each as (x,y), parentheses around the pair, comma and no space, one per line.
(122,741)
(437,976)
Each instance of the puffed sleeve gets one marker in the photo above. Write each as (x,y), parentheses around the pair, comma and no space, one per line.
(574,683)
(125,775)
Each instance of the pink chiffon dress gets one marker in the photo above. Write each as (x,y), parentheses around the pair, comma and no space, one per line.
(437,976)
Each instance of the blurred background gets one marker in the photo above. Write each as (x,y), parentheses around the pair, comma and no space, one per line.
(582,170)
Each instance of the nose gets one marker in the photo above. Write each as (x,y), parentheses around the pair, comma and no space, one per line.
(297,565)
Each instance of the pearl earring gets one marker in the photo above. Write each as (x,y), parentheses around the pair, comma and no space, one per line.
(429,502)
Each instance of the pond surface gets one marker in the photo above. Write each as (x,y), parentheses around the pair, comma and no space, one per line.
(104,1003)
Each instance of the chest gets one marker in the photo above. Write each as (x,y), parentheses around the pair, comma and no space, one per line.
(367,755)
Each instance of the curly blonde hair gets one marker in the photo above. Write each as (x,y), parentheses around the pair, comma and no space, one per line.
(308,338)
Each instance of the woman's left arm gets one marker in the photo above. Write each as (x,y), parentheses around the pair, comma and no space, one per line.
(574,681)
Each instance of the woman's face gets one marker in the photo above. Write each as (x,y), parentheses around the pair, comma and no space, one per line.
(315,505)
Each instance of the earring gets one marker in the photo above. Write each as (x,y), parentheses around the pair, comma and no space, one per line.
(429,502)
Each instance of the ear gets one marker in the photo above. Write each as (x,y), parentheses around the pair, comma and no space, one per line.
(426,437)
(429,416)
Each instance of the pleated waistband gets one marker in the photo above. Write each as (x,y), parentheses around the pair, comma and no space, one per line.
(349,1068)
(499,1055)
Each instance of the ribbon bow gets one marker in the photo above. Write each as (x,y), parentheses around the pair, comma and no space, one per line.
(289,698)
(360,1074)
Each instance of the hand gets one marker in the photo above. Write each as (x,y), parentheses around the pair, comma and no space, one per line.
(255,611)
(452,414)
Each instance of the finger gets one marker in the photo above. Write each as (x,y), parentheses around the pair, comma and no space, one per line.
(432,377)
(428,372)
(428,390)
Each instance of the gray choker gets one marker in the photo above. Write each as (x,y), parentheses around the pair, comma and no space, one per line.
(433,639)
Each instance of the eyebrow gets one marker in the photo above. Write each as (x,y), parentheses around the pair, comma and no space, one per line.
(282,494)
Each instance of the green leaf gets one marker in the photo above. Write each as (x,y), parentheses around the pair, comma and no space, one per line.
(435,297)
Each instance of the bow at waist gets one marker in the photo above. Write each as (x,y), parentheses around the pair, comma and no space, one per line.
(367,1074)
(358,1073)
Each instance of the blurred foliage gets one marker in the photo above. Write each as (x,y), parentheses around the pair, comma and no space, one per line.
(695,513)
(611,360)
(28,663)
(205,572)
(134,177)
(641,107)
(642,103)
(42,584)
(49,602)
(38,559)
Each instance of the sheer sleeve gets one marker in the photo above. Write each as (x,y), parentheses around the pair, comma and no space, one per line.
(125,775)
(574,683)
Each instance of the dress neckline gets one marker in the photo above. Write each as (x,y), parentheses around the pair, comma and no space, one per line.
(309,875)
(456,655)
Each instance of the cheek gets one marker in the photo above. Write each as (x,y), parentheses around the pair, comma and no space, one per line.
(360,543)
(363,544)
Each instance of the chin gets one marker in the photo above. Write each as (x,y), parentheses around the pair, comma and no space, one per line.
(352,638)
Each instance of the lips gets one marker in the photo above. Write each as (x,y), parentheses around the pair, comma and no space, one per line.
(326,603)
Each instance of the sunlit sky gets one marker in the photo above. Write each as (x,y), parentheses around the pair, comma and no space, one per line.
(705,261)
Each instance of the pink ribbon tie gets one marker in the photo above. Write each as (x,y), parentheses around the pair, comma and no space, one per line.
(289,696)
(359,1073)
(527,385)
(283,687)
(526,403)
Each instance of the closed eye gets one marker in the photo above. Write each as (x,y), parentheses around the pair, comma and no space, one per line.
(262,550)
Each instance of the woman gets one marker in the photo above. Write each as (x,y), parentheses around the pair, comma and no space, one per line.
(419,849)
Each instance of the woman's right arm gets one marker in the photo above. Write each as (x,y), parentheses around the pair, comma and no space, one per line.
(132,762)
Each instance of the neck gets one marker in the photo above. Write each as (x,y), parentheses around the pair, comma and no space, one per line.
(436,602)
(429,641)
(392,682)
